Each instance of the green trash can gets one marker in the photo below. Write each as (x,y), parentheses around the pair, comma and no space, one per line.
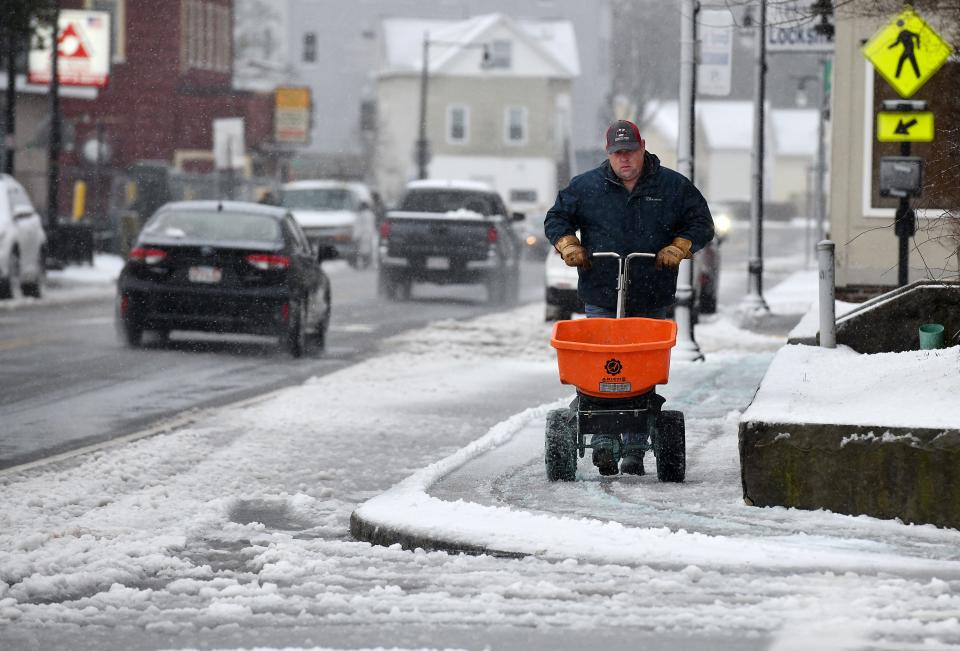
(931,336)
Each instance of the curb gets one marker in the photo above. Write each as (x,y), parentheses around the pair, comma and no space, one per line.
(364,530)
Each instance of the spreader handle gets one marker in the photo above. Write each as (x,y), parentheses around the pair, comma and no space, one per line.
(623,265)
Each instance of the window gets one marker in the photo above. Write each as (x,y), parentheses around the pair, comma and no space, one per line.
(205,40)
(516,125)
(117,10)
(458,124)
(500,54)
(310,47)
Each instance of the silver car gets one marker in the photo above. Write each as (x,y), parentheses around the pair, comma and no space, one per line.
(340,214)
(23,243)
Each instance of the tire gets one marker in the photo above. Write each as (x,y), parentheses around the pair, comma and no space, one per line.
(669,446)
(132,332)
(393,288)
(384,285)
(294,339)
(10,286)
(497,288)
(708,300)
(319,338)
(36,288)
(560,446)
(513,287)
(557,313)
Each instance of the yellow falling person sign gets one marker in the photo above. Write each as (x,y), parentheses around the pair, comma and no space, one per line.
(907,52)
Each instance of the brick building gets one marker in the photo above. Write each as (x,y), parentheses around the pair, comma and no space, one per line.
(170,77)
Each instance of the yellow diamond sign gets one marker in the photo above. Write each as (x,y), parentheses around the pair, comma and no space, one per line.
(907,52)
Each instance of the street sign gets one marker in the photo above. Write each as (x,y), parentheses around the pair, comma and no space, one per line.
(716,53)
(901,176)
(907,52)
(791,27)
(904,127)
(83,49)
(291,118)
(229,151)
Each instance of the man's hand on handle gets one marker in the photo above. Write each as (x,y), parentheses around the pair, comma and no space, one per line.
(671,255)
(573,252)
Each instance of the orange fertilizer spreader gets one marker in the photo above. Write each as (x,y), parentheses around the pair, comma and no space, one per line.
(615,364)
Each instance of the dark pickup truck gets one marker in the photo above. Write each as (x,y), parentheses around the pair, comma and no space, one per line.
(447,232)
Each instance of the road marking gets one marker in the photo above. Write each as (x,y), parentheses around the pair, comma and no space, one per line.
(23,342)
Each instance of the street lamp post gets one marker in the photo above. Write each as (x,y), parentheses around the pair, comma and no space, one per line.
(423,145)
(687,348)
(753,302)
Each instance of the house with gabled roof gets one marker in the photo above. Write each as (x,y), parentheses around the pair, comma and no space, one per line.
(498,104)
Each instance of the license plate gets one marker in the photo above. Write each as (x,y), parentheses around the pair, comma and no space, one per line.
(438,263)
(207,275)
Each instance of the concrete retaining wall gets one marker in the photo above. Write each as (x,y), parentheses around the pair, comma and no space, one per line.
(911,474)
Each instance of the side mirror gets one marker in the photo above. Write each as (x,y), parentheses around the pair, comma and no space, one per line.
(327,252)
(517,216)
(22,212)
(364,205)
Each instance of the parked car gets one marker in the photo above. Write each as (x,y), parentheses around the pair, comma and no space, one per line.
(335,213)
(561,281)
(446,231)
(23,243)
(225,267)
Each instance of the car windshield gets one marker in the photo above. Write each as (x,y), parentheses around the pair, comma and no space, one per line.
(318,199)
(447,201)
(214,226)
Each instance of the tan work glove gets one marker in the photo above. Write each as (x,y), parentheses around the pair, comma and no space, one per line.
(671,255)
(573,252)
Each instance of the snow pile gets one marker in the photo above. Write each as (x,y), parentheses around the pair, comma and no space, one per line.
(76,283)
(809,384)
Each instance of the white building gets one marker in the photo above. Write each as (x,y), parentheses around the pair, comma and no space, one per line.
(505,119)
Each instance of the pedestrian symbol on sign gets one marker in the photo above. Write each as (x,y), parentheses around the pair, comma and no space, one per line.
(906,38)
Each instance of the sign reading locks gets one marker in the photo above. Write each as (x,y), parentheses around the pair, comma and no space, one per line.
(613,366)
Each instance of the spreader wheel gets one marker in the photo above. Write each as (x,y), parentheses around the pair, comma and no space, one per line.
(560,453)
(670,447)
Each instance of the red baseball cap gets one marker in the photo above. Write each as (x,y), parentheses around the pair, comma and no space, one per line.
(623,135)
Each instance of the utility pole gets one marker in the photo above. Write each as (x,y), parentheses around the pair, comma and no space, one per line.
(422,134)
(686,348)
(753,302)
(10,139)
(819,183)
(54,143)
(423,145)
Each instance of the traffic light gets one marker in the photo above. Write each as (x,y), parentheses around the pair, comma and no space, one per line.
(824,9)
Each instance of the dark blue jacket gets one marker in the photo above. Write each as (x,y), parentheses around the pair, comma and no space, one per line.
(662,206)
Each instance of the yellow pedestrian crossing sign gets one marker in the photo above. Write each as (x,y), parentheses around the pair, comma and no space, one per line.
(905,126)
(907,52)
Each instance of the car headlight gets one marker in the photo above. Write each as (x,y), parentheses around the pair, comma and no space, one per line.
(722,225)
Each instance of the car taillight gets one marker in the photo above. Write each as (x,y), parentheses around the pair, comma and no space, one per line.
(147,256)
(124,304)
(492,235)
(385,231)
(266,262)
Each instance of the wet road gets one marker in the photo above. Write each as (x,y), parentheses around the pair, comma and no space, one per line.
(67,382)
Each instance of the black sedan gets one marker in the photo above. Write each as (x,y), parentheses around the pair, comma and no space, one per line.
(225,266)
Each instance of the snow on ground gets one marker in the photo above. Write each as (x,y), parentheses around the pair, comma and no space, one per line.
(822,385)
(76,283)
(239,521)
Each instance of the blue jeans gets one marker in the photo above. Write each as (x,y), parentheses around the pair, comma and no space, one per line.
(598,311)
